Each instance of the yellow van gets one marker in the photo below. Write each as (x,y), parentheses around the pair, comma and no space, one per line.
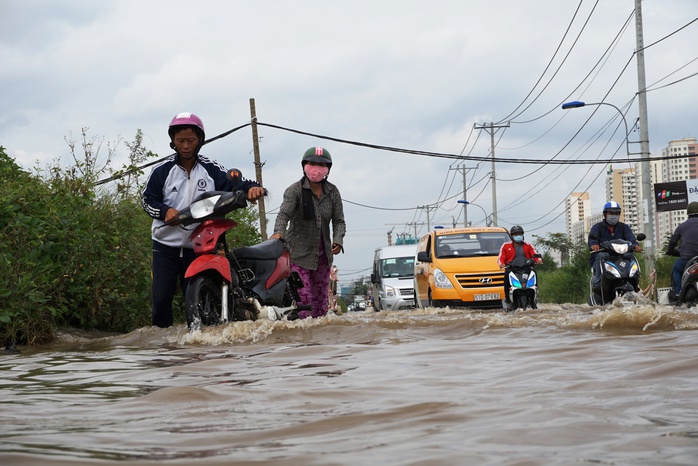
(458,267)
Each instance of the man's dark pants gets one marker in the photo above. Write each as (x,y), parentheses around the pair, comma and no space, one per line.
(169,264)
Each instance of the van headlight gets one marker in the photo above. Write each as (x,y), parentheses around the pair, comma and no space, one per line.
(389,291)
(441,280)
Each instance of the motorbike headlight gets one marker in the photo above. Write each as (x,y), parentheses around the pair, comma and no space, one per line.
(611,269)
(389,291)
(531,281)
(634,269)
(515,281)
(203,207)
(441,280)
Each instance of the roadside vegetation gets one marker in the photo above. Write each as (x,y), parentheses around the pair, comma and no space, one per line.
(76,255)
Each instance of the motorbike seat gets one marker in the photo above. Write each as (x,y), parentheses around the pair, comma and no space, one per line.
(270,249)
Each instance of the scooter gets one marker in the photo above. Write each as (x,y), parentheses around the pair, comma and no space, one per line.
(620,272)
(524,283)
(689,284)
(239,284)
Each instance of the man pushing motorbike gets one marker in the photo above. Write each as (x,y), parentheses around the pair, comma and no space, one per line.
(171,186)
(687,235)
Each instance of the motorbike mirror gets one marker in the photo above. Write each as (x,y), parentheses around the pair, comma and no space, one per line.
(641,237)
(234,175)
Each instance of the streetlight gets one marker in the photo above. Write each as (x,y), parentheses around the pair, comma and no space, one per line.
(646,180)
(467,203)
(579,103)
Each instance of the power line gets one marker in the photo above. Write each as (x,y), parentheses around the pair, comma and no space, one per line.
(460,157)
(569,26)
(564,60)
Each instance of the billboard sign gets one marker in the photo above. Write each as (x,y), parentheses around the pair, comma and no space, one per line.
(672,195)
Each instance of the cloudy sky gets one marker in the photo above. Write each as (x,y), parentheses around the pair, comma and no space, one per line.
(410,74)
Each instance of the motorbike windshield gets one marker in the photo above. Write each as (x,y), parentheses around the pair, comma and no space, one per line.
(620,248)
(470,244)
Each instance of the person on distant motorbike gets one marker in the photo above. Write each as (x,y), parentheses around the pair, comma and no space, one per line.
(171,186)
(687,235)
(308,208)
(607,229)
(517,247)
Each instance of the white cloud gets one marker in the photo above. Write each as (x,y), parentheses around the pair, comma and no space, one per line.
(410,74)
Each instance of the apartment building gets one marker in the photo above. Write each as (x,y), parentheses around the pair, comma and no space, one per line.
(578,214)
(681,165)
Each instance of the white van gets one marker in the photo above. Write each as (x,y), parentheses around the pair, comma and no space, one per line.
(392,277)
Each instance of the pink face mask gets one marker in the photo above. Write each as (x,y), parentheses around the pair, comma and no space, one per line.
(316,173)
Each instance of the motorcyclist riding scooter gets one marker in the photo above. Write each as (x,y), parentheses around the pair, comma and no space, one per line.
(684,243)
(615,270)
(517,258)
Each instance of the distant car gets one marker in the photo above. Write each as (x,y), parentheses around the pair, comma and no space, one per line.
(391,277)
(458,267)
(350,308)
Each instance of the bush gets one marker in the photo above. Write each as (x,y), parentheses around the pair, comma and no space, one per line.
(72,257)
(568,284)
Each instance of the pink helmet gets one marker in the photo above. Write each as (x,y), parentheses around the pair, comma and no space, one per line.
(187,119)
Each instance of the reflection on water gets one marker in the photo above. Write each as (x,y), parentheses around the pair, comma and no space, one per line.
(559,385)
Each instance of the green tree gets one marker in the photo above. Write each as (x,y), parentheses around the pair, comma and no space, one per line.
(128,178)
(567,284)
(75,256)
(556,242)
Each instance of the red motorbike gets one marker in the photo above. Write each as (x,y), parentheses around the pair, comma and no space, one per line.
(234,284)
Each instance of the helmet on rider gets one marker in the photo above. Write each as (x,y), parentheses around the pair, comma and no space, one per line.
(187,120)
(516,230)
(317,155)
(692,209)
(611,206)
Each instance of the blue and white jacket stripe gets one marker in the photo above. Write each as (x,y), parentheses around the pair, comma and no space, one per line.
(169,186)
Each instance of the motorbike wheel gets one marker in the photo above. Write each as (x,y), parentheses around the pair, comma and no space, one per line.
(523,302)
(691,296)
(203,301)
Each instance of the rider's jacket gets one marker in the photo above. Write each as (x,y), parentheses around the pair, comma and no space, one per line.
(687,232)
(507,253)
(168,185)
(601,232)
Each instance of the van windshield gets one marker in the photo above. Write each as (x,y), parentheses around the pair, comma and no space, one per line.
(470,244)
(397,267)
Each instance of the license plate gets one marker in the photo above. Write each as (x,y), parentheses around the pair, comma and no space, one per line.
(486,297)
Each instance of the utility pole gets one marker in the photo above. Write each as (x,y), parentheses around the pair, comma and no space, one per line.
(492,127)
(415,225)
(411,224)
(463,170)
(258,172)
(427,209)
(647,209)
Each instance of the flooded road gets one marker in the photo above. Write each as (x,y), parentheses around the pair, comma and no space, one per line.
(559,385)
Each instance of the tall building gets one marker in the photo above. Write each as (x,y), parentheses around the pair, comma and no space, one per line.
(621,186)
(680,166)
(578,210)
